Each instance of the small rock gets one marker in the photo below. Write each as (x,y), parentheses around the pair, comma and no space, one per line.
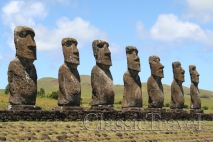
(2,139)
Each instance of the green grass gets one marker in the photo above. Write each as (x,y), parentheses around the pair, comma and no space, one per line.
(51,84)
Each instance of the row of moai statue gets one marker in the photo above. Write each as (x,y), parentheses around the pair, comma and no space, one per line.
(22,78)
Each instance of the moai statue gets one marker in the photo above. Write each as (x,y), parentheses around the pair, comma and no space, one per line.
(177,94)
(69,95)
(101,78)
(154,85)
(132,98)
(194,91)
(22,77)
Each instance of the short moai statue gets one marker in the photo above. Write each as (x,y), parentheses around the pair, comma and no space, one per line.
(154,85)
(101,78)
(194,91)
(132,98)
(69,95)
(22,77)
(177,94)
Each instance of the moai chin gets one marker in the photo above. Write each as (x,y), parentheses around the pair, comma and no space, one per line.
(22,75)
(154,85)
(101,78)
(194,91)
(68,76)
(132,97)
(177,94)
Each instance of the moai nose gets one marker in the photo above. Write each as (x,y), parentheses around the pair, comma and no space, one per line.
(30,42)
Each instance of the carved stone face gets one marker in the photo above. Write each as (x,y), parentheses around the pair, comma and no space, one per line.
(24,42)
(133,60)
(155,66)
(101,52)
(194,74)
(70,51)
(178,71)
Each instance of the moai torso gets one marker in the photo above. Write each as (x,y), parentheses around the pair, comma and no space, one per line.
(101,78)
(194,91)
(22,77)
(177,94)
(154,85)
(68,76)
(132,85)
(102,86)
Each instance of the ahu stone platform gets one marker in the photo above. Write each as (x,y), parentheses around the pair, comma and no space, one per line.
(82,115)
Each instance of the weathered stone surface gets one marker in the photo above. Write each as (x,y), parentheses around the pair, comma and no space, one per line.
(102,107)
(194,91)
(59,108)
(24,107)
(22,75)
(132,85)
(154,85)
(101,78)
(177,94)
(68,76)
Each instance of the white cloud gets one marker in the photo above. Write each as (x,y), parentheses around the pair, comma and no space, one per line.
(22,13)
(27,12)
(78,28)
(114,48)
(201,10)
(169,28)
(140,30)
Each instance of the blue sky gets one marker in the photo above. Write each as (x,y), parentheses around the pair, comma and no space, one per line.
(173,30)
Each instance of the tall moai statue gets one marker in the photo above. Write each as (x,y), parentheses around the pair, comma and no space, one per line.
(177,94)
(154,85)
(194,91)
(69,95)
(22,77)
(101,78)
(132,98)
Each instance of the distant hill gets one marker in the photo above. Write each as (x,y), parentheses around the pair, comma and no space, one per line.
(51,84)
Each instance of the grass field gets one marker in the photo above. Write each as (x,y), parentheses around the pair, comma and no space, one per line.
(51,84)
(79,131)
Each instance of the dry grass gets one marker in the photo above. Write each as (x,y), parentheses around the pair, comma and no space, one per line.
(76,131)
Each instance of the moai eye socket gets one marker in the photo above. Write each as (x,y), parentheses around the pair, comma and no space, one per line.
(22,34)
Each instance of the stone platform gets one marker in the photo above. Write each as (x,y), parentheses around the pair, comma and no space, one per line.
(192,111)
(103,107)
(24,107)
(156,110)
(67,108)
(132,109)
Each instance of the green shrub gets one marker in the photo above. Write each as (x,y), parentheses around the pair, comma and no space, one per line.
(120,102)
(7,89)
(167,105)
(54,95)
(41,93)
(185,106)
(205,108)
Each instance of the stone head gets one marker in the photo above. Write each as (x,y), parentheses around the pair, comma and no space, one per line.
(194,74)
(155,66)
(101,52)
(178,71)
(70,51)
(24,42)
(133,60)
